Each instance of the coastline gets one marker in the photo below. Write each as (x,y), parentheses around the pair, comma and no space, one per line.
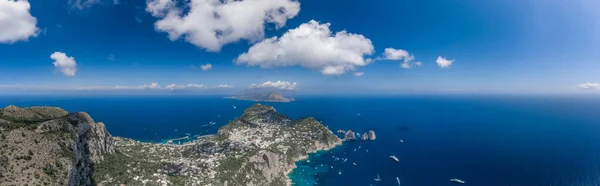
(304,157)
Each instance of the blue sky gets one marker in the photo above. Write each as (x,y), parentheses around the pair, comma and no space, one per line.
(497,46)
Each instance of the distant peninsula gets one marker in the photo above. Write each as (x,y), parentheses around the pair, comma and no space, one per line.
(263,96)
(49,146)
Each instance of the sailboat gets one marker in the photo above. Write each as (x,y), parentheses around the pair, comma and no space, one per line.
(398,179)
(378,178)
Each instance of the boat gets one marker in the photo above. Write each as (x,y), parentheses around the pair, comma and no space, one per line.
(340,172)
(401,141)
(354,164)
(378,178)
(457,181)
(398,179)
(394,158)
(234,107)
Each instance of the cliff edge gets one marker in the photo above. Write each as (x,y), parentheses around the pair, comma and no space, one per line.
(49,146)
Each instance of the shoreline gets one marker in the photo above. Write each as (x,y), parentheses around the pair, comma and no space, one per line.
(304,157)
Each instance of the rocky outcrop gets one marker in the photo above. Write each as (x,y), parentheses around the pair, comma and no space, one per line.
(372,135)
(369,135)
(340,131)
(53,146)
(349,135)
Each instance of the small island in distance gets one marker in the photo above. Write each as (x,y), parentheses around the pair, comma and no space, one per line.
(265,95)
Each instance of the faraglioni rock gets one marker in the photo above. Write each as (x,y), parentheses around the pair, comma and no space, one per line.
(372,135)
(365,136)
(349,135)
(49,146)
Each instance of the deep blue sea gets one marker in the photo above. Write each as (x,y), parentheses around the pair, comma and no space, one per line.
(484,140)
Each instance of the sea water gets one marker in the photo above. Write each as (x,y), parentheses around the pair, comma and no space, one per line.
(503,140)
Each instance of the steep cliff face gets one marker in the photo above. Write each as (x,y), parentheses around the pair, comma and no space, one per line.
(259,148)
(48,145)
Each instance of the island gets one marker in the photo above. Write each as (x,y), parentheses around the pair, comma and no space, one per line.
(263,96)
(49,146)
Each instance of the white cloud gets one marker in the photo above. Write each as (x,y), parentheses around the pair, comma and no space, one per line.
(206,67)
(153,85)
(396,54)
(399,54)
(210,24)
(175,86)
(223,86)
(443,62)
(311,45)
(359,74)
(17,22)
(64,63)
(83,4)
(405,65)
(283,85)
(589,86)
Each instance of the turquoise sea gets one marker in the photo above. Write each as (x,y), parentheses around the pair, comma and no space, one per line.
(492,140)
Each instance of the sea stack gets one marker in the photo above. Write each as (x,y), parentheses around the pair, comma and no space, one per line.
(369,135)
(372,135)
(341,131)
(349,135)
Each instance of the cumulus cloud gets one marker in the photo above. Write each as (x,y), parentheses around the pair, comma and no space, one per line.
(210,24)
(283,85)
(223,86)
(64,63)
(17,22)
(443,62)
(206,67)
(153,85)
(399,54)
(311,45)
(589,86)
(359,74)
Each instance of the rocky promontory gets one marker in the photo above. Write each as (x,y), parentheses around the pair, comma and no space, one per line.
(49,146)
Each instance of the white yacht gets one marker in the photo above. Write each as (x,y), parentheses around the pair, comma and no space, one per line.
(457,181)
(394,158)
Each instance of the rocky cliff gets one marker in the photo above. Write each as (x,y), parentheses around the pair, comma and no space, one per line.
(49,146)
(259,148)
